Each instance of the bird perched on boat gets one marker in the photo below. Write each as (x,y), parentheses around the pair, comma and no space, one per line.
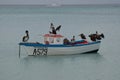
(58,28)
(82,36)
(26,37)
(96,36)
(54,30)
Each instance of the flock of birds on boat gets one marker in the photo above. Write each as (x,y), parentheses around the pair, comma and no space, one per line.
(94,37)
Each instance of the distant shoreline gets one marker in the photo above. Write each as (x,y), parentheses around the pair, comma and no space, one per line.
(57,5)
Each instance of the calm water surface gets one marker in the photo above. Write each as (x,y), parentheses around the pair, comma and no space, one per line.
(104,65)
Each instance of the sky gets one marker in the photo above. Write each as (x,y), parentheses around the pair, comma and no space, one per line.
(40,2)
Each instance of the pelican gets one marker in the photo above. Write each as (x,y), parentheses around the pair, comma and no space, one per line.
(26,37)
(96,36)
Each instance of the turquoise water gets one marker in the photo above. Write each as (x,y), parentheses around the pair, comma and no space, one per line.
(104,65)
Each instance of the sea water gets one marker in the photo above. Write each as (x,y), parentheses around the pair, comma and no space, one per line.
(87,19)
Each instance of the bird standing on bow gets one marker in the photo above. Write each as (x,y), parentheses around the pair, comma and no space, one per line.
(26,37)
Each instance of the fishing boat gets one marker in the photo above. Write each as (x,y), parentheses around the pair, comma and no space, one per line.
(55,44)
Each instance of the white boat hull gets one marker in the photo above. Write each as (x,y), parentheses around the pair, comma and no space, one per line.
(51,50)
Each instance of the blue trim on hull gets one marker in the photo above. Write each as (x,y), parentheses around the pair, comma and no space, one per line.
(55,45)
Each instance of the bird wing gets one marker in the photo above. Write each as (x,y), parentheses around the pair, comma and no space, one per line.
(58,28)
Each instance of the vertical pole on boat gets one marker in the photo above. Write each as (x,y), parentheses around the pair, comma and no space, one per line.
(19,50)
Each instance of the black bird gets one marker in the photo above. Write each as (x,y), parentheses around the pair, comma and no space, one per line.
(54,30)
(93,37)
(102,35)
(96,36)
(26,37)
(58,28)
(82,36)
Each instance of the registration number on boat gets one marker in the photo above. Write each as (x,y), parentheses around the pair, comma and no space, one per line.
(40,51)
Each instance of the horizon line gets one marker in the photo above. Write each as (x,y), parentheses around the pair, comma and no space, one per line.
(118,4)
